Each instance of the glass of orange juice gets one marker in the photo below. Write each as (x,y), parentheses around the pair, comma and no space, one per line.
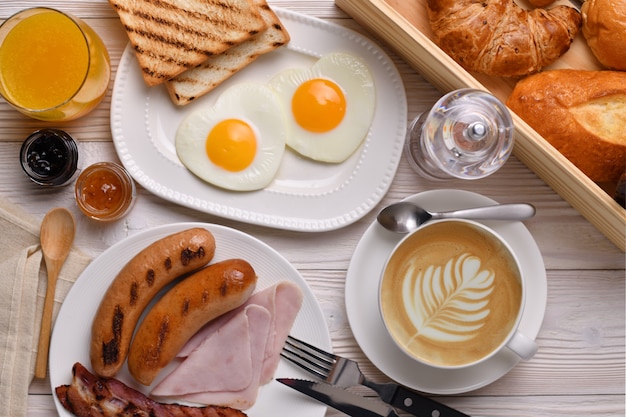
(53,66)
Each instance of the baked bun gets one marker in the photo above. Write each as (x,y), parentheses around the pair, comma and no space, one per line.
(604,28)
(500,38)
(581,113)
(540,3)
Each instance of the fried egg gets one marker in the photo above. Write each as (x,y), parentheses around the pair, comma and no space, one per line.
(238,143)
(329,106)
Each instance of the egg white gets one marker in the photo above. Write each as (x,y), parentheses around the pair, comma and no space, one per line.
(254,104)
(354,78)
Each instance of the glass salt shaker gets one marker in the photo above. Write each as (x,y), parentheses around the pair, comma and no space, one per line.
(468,134)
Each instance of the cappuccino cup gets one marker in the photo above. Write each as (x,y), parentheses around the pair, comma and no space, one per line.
(452,295)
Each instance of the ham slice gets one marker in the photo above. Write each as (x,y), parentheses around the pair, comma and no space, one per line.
(201,378)
(258,321)
(289,298)
(284,302)
(208,330)
(230,368)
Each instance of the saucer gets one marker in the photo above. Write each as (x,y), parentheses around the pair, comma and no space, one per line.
(367,326)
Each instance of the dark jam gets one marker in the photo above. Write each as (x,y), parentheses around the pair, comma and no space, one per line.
(49,157)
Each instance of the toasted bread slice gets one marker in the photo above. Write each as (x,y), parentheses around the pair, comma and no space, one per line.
(198,81)
(171,36)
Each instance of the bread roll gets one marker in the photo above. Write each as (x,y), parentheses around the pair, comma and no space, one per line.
(540,3)
(604,28)
(499,38)
(581,113)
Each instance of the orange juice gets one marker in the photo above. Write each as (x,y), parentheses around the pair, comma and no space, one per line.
(44,61)
(52,67)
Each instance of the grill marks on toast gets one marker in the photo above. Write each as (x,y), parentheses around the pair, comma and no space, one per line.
(198,81)
(170,36)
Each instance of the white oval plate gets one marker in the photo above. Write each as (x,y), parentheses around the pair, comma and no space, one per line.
(305,195)
(72,329)
(367,326)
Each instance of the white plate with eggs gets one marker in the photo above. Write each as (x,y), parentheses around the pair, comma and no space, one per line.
(303,194)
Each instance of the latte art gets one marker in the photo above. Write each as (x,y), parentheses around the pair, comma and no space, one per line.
(450,294)
(448,303)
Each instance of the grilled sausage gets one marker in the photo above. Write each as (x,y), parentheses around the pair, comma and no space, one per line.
(134,287)
(183,310)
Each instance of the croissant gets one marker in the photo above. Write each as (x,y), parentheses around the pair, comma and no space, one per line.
(499,38)
(540,3)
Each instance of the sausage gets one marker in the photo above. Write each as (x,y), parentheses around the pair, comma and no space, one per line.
(134,287)
(183,310)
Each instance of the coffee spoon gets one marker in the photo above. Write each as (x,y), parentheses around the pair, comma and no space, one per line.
(404,217)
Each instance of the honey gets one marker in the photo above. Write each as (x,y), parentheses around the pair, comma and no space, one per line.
(105,191)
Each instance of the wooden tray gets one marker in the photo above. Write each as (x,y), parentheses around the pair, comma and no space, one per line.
(403,24)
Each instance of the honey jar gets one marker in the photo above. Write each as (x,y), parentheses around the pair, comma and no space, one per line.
(105,191)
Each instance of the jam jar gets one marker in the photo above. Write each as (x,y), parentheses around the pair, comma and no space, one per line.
(49,157)
(105,191)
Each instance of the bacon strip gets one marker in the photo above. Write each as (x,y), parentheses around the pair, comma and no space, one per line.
(92,396)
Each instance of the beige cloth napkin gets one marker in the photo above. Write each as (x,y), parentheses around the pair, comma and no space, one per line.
(22,291)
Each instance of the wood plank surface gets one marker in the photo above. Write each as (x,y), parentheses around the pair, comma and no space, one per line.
(580,367)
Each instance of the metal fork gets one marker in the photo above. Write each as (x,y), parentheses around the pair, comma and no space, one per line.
(331,368)
(344,372)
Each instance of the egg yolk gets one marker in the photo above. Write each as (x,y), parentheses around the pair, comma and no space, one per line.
(318,105)
(231,145)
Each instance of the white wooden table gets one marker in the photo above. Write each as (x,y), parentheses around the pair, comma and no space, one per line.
(579,369)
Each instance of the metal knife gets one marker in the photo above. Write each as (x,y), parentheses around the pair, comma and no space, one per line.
(405,399)
(340,399)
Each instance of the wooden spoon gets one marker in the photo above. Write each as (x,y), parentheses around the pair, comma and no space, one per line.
(56,236)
